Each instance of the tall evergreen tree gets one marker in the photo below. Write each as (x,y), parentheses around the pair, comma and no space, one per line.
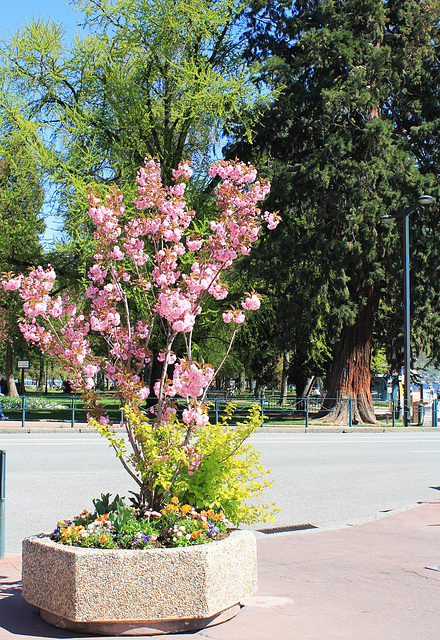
(356,132)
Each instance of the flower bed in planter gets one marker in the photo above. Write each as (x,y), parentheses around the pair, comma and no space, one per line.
(139,592)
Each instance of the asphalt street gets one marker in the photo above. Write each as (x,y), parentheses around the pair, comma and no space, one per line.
(329,480)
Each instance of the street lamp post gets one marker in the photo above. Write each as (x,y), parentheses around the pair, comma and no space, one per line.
(423,200)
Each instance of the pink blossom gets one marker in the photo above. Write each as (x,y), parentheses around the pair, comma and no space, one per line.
(272,220)
(194,244)
(117,254)
(189,379)
(251,303)
(183,170)
(90,370)
(195,415)
(13,284)
(162,285)
(239,317)
(143,393)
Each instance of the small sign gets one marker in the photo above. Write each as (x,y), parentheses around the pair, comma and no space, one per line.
(23,364)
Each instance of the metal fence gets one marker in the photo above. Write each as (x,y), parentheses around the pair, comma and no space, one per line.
(296,411)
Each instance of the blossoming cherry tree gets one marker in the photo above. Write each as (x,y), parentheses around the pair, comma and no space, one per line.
(152,267)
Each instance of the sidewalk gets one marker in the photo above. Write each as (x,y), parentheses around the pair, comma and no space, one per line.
(56,426)
(367,582)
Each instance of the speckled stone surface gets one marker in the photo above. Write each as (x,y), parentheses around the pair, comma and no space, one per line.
(86,585)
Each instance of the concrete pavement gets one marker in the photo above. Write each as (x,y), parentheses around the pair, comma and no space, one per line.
(55,426)
(366,582)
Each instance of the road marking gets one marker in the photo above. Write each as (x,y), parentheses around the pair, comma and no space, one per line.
(427,451)
(46,443)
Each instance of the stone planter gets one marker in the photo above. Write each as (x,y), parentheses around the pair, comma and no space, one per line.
(139,592)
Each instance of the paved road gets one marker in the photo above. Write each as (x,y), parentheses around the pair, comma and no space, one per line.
(336,479)
(329,480)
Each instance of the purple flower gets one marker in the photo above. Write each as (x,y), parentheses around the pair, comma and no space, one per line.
(213,530)
(140,537)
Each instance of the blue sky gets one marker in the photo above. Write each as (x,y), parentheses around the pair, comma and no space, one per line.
(13,15)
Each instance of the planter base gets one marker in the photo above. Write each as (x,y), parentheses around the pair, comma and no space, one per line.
(139,592)
(139,627)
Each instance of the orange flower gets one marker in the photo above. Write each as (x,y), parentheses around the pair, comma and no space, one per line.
(195,534)
(205,525)
(210,513)
(186,508)
(103,518)
(102,539)
(66,532)
(203,513)
(169,507)
(175,500)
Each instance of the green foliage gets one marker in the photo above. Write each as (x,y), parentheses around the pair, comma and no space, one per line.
(21,198)
(120,517)
(158,78)
(352,138)
(103,505)
(229,474)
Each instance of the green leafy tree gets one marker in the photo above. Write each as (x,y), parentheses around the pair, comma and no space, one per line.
(21,199)
(158,78)
(148,78)
(356,134)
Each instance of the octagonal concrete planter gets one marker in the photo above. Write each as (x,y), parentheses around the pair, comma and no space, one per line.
(139,592)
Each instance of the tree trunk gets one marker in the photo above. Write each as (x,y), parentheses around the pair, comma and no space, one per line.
(40,383)
(242,383)
(258,390)
(307,388)
(350,376)
(303,388)
(285,378)
(9,371)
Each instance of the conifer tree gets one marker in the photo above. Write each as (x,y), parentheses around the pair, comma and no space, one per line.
(356,134)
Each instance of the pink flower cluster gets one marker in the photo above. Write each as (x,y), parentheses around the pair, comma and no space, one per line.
(145,260)
(190,380)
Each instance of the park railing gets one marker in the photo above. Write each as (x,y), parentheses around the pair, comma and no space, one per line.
(295,411)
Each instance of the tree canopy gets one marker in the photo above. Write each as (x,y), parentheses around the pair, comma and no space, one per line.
(352,138)
(147,78)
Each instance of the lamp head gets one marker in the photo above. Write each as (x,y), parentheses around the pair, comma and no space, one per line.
(426,200)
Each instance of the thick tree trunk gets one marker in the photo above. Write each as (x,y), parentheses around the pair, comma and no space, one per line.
(350,376)
(258,391)
(285,378)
